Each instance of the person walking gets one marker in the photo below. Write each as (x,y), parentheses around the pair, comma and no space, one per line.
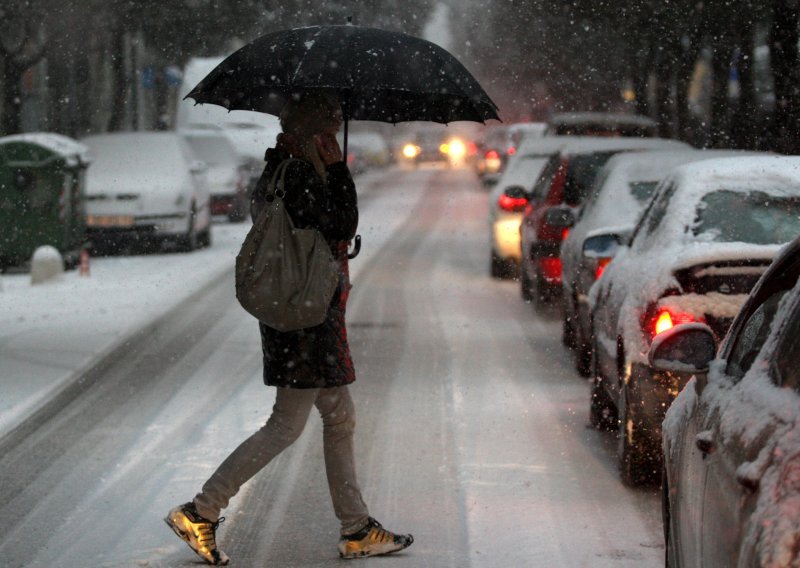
(309,367)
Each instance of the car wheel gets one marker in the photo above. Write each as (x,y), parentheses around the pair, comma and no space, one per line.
(634,454)
(567,332)
(666,517)
(205,238)
(499,267)
(602,412)
(583,348)
(525,284)
(543,296)
(189,241)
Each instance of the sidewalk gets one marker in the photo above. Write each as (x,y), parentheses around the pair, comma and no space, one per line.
(50,334)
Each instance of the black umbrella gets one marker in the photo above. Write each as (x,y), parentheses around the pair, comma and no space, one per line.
(376,75)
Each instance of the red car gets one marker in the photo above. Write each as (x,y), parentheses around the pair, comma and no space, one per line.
(566,180)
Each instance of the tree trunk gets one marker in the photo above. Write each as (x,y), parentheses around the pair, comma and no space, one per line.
(12,97)
(743,128)
(119,100)
(784,58)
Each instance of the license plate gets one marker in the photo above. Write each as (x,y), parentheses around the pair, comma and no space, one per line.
(109,220)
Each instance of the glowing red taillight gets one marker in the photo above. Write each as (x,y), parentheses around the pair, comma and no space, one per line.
(600,268)
(492,155)
(507,203)
(665,320)
(550,269)
(511,150)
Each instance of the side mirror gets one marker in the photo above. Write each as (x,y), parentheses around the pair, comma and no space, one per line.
(515,192)
(604,245)
(687,348)
(560,217)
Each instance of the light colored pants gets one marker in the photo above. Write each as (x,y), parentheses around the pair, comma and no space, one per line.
(289,416)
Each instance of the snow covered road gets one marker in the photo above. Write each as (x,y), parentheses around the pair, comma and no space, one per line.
(472,427)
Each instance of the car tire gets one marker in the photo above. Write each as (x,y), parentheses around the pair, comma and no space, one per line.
(584,348)
(666,518)
(602,412)
(634,452)
(205,238)
(543,297)
(567,332)
(525,284)
(189,240)
(499,268)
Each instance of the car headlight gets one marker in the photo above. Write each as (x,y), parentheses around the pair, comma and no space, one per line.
(410,151)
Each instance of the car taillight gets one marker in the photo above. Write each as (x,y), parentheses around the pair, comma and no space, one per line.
(600,267)
(511,203)
(472,148)
(550,267)
(665,319)
(511,151)
(492,155)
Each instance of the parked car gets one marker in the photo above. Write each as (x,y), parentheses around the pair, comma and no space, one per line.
(601,124)
(228,173)
(508,199)
(499,144)
(366,150)
(622,190)
(148,188)
(731,439)
(710,231)
(566,180)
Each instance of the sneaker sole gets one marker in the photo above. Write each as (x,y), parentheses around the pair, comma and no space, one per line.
(187,539)
(376,552)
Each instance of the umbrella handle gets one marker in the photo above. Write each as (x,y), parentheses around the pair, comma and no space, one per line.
(356,248)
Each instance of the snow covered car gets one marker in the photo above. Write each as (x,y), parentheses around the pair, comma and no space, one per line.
(566,180)
(146,187)
(621,192)
(508,200)
(731,439)
(228,173)
(709,233)
(601,124)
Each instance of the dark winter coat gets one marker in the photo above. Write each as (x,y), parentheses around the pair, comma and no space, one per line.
(317,356)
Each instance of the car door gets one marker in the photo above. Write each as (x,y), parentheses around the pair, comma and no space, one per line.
(736,442)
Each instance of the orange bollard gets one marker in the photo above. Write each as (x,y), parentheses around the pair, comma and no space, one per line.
(84,263)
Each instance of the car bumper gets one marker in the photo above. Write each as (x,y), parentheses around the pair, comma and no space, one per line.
(138,226)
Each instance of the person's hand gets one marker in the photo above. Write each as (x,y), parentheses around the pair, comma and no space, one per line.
(328,148)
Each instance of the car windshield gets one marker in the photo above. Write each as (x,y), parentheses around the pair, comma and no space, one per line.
(124,156)
(756,217)
(642,191)
(582,171)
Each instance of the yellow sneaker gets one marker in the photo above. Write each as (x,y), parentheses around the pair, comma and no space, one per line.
(198,532)
(372,540)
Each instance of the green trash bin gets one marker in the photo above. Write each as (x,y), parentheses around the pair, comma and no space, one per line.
(42,188)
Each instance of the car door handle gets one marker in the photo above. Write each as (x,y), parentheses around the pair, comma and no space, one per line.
(704,442)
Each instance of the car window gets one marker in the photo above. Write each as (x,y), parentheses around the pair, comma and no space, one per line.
(642,191)
(754,217)
(647,221)
(752,336)
(542,186)
(581,173)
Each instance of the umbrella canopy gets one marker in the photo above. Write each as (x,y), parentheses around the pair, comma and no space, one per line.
(375,74)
